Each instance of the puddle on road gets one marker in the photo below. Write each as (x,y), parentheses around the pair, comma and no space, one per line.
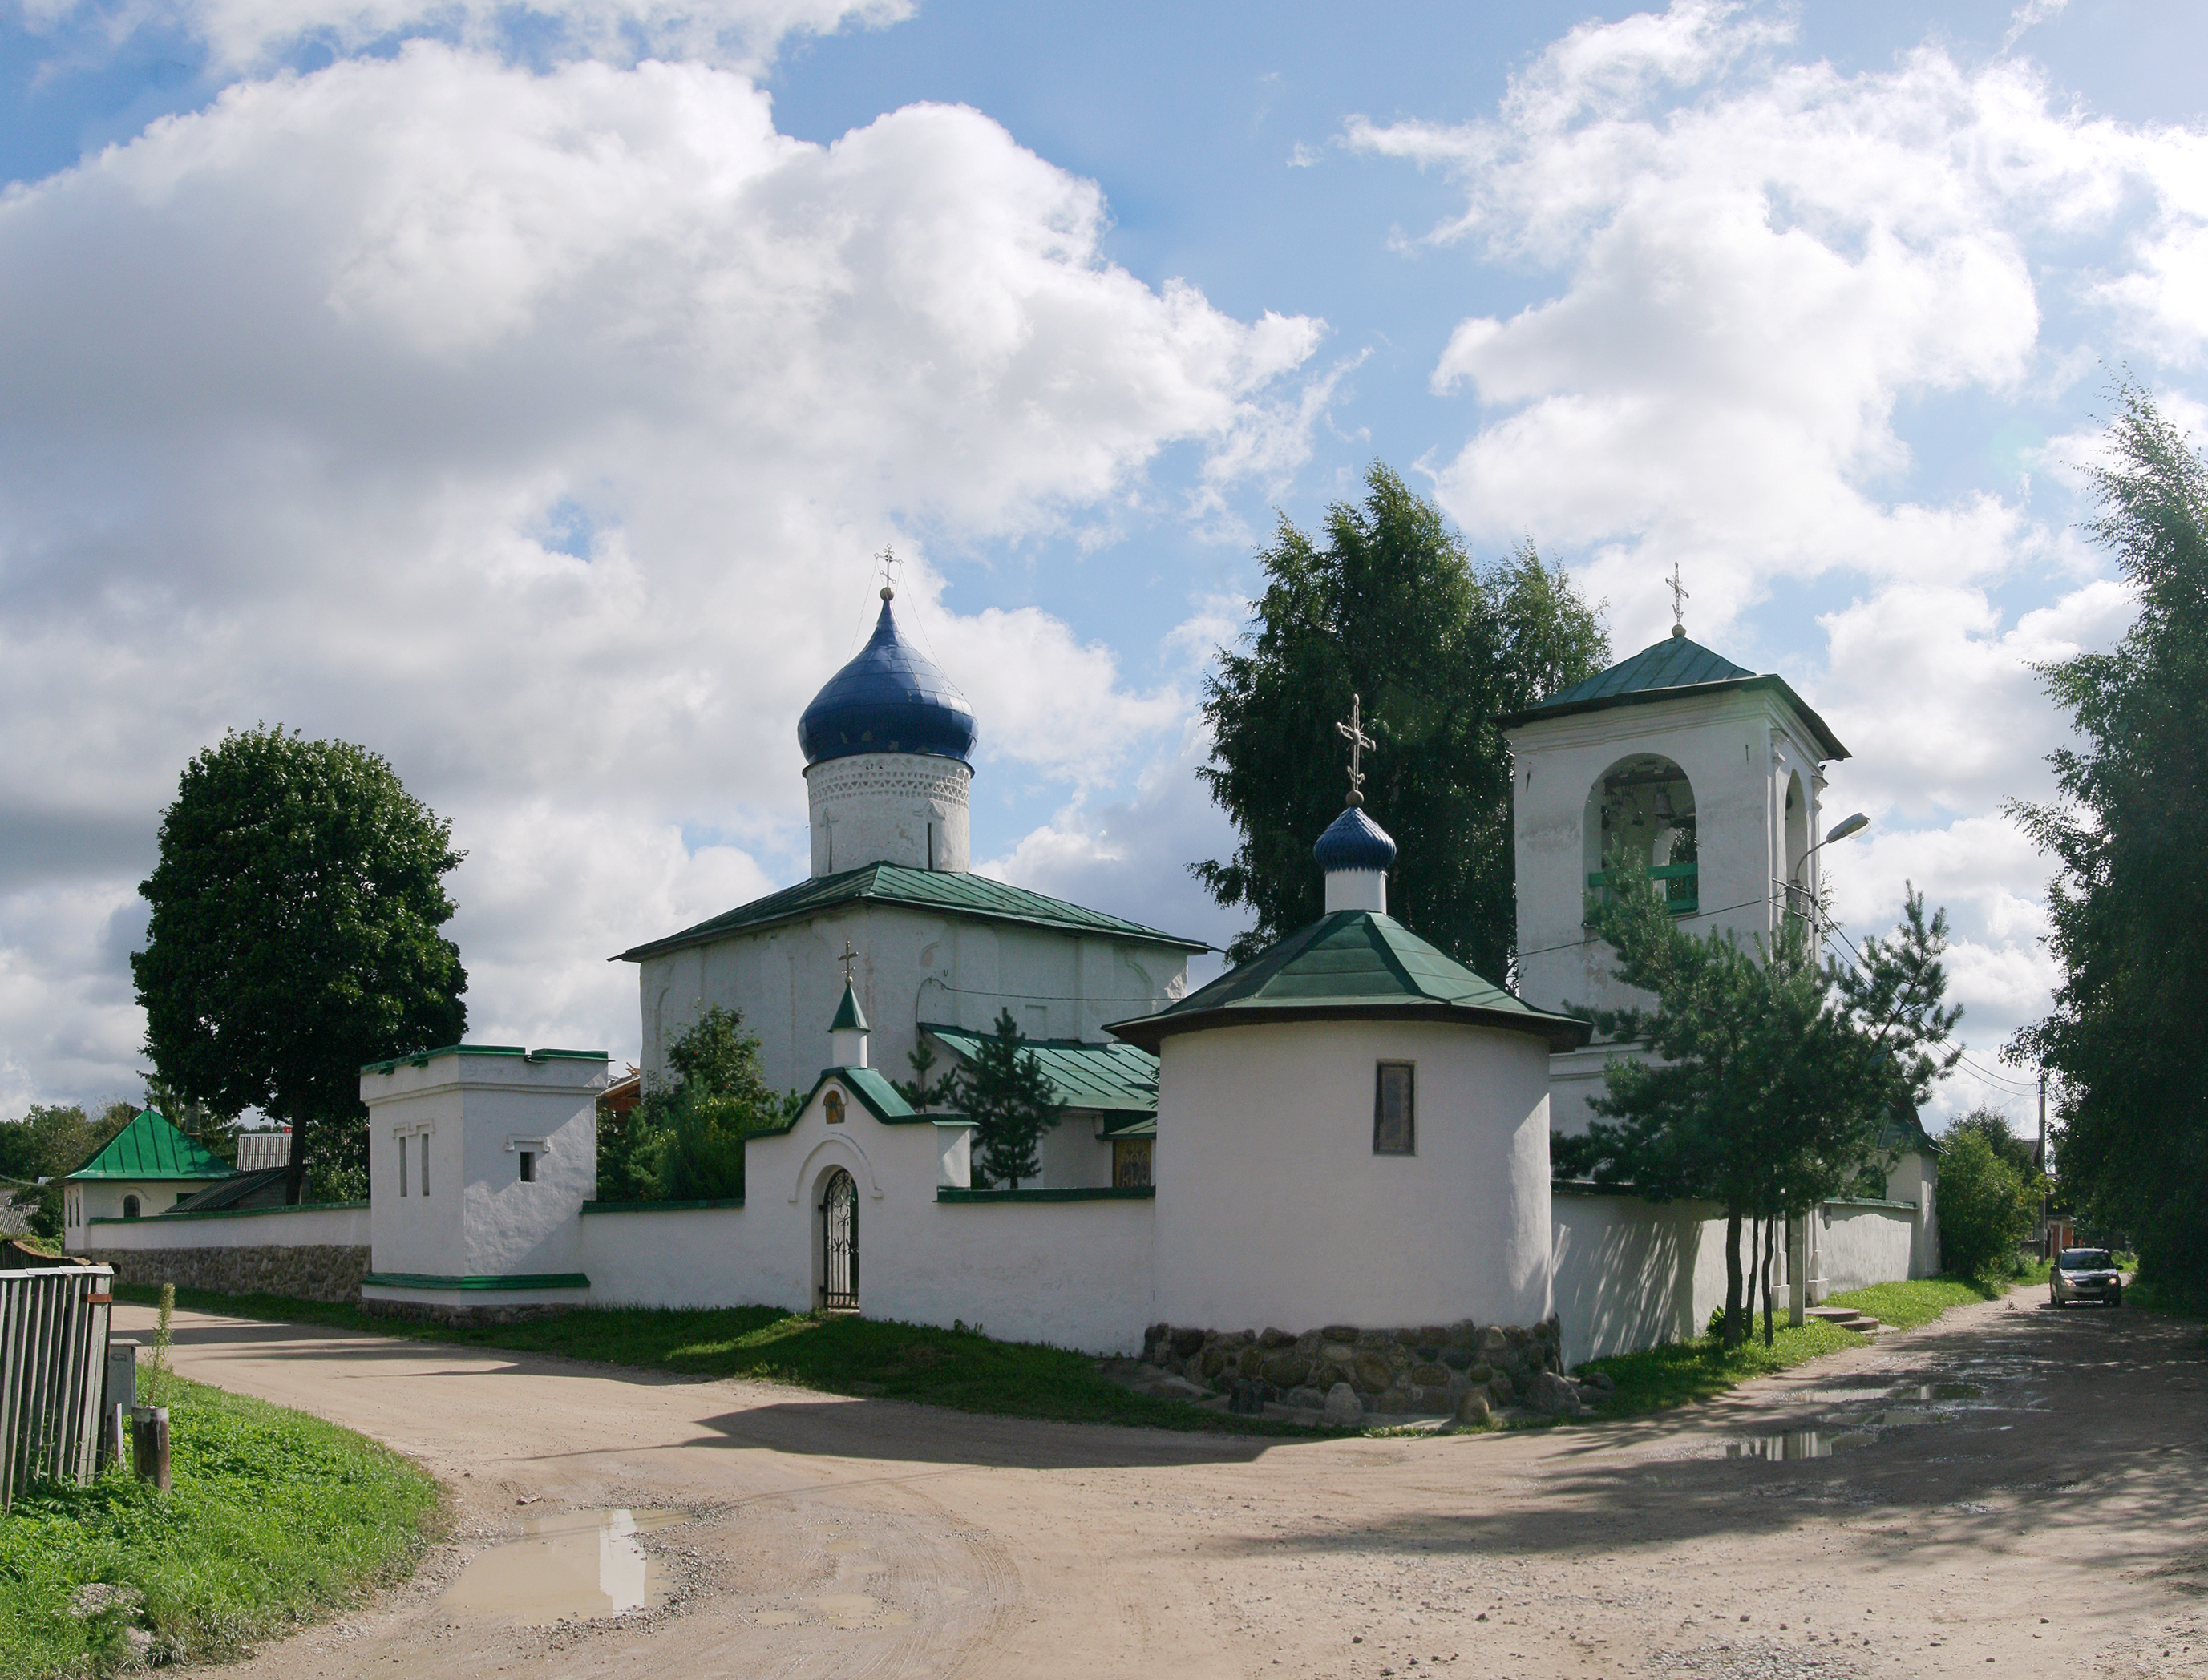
(1924,1391)
(1795,1444)
(570,1563)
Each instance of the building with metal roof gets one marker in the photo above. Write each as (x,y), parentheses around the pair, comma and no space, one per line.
(146,1167)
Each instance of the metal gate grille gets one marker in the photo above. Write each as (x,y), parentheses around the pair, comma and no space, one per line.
(839,1242)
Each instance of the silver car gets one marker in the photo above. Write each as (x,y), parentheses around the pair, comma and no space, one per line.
(2084,1274)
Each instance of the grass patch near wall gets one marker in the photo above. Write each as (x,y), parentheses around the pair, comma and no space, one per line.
(1679,1373)
(276,1519)
(1922,1300)
(835,1353)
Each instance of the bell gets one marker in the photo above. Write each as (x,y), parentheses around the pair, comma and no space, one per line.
(1663,803)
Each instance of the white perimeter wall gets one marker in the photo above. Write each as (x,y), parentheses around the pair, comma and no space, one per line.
(1076,1273)
(244,1227)
(1632,1274)
(1273,1210)
(1858,1245)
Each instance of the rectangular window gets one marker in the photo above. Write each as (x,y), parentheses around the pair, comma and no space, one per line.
(402,1166)
(1131,1162)
(1395,1116)
(528,1166)
(425,1165)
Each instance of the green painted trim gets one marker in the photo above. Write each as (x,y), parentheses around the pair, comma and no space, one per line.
(424,1058)
(527,1279)
(1866,1201)
(1092,1193)
(227,1212)
(660,1207)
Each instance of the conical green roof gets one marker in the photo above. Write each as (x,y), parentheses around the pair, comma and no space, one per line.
(849,1018)
(149,1147)
(1352,963)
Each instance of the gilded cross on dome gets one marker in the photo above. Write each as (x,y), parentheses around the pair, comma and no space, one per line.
(1679,602)
(1354,732)
(887,561)
(850,955)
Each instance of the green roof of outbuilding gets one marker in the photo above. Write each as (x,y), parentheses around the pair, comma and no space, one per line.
(974,896)
(874,1092)
(1672,669)
(149,1147)
(1352,964)
(1115,1076)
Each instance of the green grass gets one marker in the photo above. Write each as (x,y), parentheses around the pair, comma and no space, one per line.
(276,1519)
(836,1354)
(1681,1372)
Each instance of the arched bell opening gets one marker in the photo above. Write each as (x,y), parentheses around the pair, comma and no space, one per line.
(1801,895)
(1646,804)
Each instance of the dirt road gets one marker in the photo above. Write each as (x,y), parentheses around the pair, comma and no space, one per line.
(2053,1521)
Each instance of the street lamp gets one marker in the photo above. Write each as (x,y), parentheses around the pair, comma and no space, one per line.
(1845,828)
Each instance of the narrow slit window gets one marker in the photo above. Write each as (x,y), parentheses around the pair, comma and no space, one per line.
(425,1165)
(528,1159)
(1394,1115)
(402,1166)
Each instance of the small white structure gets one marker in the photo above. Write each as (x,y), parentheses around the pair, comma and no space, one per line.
(144,1169)
(1353,1128)
(480,1158)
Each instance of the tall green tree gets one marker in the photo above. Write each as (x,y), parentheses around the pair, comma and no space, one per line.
(297,903)
(1992,1126)
(1003,1089)
(684,1139)
(1985,1203)
(2128,911)
(1771,1071)
(1389,608)
(52,1139)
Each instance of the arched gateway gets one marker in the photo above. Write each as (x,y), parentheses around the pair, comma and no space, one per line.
(839,1241)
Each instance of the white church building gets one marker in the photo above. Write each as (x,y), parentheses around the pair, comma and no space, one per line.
(1331,1164)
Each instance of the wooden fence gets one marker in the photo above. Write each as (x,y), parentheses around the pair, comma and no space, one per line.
(53,1372)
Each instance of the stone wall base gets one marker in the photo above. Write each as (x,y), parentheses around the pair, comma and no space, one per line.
(1425,1370)
(327,1272)
(441,1313)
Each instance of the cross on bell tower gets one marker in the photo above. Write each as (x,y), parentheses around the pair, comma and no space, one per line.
(1679,602)
(1354,732)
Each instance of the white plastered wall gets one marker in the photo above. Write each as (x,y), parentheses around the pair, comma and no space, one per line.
(913,967)
(1273,1210)
(103,1199)
(1632,1274)
(1738,750)
(1859,1244)
(1076,1273)
(889,808)
(477,1112)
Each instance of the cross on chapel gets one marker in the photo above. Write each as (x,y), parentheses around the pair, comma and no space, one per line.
(1354,732)
(849,956)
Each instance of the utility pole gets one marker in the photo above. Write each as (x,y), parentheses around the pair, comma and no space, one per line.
(2042,1159)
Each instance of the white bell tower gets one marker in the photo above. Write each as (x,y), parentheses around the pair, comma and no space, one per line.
(1712,772)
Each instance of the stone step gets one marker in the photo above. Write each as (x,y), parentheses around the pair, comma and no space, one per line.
(1847,1319)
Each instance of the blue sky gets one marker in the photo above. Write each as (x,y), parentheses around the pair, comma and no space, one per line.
(522,392)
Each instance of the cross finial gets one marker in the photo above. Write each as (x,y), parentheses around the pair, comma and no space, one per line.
(887,561)
(1679,602)
(1354,732)
(849,956)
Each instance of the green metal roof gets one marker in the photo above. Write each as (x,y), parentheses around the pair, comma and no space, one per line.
(1354,963)
(876,1094)
(973,896)
(1115,1076)
(423,1058)
(849,1018)
(1669,670)
(151,1148)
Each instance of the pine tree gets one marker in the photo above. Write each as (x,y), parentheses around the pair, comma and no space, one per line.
(1012,1104)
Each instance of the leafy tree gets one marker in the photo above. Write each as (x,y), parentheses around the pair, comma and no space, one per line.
(1771,1070)
(2129,910)
(1011,1101)
(296,904)
(684,1140)
(1991,1125)
(1389,609)
(1986,1204)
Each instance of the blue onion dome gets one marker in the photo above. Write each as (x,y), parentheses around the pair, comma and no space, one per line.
(891,698)
(1355,841)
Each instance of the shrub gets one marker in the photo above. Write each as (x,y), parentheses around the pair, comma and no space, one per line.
(1985,1206)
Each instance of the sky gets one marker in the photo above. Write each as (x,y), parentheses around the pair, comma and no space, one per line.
(523,391)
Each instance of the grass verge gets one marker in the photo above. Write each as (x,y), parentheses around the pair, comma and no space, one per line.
(836,1354)
(1679,1373)
(276,1519)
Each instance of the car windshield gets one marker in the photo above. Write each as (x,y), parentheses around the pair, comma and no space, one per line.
(2084,1260)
